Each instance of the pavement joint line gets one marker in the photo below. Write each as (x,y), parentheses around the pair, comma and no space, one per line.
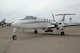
(5,51)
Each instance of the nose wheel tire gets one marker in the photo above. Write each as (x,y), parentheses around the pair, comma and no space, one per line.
(14,37)
(62,33)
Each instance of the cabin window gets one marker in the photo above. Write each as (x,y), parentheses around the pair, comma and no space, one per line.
(47,19)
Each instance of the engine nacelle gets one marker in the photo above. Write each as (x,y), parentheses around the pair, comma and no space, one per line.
(59,26)
(48,30)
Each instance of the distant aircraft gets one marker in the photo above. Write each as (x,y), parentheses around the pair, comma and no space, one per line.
(3,22)
(31,22)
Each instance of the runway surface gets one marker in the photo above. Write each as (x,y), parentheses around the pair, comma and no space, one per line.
(29,42)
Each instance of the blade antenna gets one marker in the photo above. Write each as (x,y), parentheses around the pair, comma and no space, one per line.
(53,17)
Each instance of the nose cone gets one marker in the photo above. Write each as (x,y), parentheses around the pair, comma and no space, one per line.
(13,24)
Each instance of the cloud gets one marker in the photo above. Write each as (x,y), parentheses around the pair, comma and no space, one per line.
(12,9)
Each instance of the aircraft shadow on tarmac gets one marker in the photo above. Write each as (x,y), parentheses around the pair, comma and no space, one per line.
(39,35)
(52,34)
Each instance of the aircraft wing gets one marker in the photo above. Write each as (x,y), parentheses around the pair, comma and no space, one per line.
(65,25)
(72,24)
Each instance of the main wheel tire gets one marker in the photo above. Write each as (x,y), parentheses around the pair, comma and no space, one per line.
(14,37)
(51,30)
(62,33)
(35,31)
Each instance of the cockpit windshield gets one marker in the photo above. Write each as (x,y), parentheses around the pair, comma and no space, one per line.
(29,17)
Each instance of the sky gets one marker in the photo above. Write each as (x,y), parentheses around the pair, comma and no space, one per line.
(13,10)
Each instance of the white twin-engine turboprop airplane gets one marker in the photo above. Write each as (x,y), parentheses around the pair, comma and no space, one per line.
(31,22)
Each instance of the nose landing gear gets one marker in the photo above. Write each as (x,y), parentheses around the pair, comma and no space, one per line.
(14,37)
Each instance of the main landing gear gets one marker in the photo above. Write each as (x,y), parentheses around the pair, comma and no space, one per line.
(62,33)
(35,31)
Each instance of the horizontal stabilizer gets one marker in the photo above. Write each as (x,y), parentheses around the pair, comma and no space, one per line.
(65,14)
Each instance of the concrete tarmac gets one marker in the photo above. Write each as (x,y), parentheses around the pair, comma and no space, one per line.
(29,42)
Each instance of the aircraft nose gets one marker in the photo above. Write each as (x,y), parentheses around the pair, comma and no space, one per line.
(12,24)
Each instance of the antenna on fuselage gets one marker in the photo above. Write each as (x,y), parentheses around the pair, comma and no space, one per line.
(53,17)
(64,15)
